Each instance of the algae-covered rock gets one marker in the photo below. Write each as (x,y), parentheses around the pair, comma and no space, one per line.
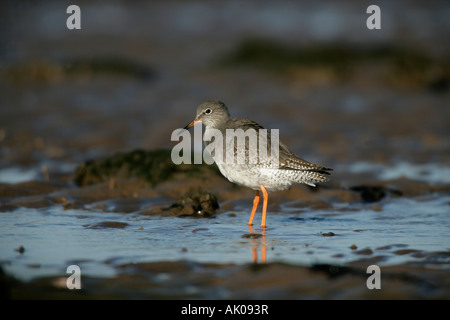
(153,166)
(391,64)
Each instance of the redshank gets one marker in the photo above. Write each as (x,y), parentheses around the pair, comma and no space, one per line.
(263,174)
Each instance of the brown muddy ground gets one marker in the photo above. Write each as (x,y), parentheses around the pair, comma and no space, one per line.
(85,124)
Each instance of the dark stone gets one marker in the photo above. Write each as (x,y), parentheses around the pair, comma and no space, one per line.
(199,204)
(374,193)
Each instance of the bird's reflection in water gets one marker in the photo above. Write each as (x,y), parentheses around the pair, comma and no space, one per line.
(258,241)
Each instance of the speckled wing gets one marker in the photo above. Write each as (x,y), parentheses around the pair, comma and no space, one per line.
(307,172)
(290,161)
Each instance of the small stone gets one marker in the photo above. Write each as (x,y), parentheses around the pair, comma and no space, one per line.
(251,235)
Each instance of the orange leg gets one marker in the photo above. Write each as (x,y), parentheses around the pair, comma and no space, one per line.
(265,199)
(255,206)
(264,246)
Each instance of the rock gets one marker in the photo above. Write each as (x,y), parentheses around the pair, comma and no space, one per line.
(374,193)
(153,166)
(251,235)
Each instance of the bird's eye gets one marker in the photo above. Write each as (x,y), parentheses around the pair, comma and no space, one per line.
(208,111)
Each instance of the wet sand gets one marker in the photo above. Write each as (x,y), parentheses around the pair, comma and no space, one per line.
(86,176)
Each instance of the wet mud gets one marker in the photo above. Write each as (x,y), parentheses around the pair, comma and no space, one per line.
(190,280)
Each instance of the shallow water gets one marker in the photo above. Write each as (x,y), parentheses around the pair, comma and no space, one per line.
(433,173)
(404,230)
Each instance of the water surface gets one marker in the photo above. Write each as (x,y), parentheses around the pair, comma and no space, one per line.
(404,230)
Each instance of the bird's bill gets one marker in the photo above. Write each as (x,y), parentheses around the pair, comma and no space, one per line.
(193,123)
